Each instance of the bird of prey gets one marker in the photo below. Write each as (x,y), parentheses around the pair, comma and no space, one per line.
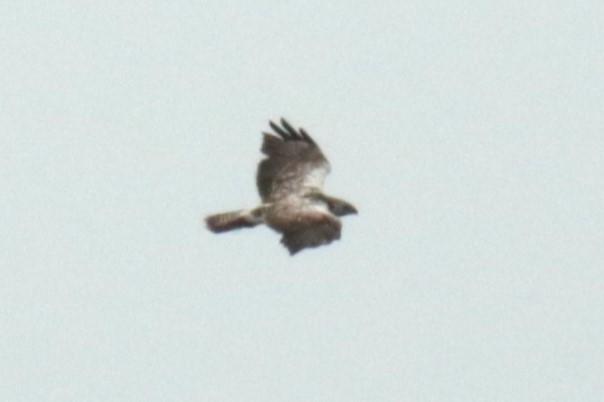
(290,181)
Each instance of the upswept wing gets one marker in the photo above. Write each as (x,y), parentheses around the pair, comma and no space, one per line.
(294,163)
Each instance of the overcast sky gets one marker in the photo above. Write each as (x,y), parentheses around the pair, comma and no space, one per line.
(470,135)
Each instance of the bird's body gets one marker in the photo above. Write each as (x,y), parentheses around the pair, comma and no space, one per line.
(290,181)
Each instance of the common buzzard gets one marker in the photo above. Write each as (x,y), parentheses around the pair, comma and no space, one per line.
(290,181)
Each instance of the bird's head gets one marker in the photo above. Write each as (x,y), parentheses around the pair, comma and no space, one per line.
(339,207)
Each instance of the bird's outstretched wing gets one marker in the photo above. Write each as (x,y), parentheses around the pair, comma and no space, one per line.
(294,163)
(310,229)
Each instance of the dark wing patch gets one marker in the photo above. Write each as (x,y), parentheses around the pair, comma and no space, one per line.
(314,235)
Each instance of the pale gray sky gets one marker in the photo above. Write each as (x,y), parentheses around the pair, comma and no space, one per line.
(469,134)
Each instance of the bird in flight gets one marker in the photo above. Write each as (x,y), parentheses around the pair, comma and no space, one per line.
(290,181)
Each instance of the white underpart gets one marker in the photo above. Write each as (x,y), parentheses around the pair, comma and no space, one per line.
(307,204)
(320,207)
(316,177)
(317,206)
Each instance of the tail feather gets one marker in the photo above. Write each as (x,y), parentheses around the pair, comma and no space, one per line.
(224,222)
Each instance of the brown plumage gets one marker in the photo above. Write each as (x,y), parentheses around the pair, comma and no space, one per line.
(290,181)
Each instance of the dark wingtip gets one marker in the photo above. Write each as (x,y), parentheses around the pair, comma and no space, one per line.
(288,132)
(292,248)
(279,130)
(290,129)
(306,136)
